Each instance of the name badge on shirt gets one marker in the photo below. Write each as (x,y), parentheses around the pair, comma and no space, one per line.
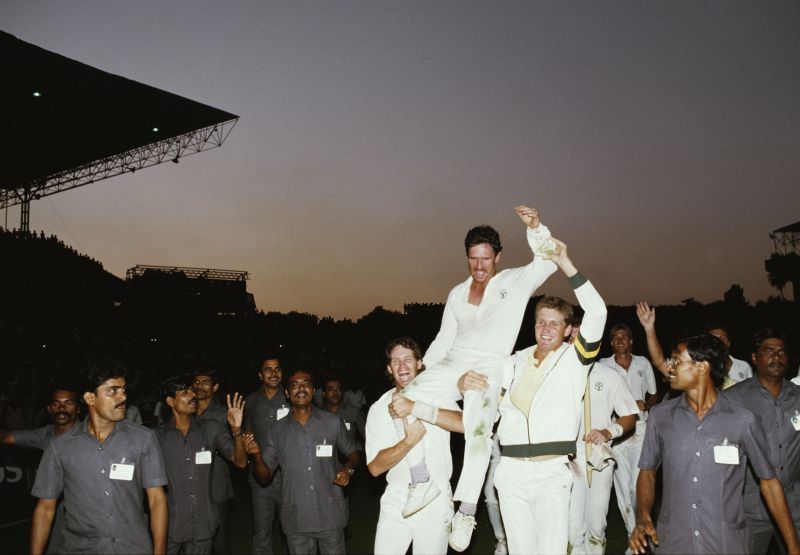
(283,411)
(726,454)
(120,471)
(324,450)
(347,425)
(795,420)
(202,457)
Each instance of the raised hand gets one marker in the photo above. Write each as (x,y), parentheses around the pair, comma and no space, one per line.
(235,411)
(473,381)
(646,314)
(528,215)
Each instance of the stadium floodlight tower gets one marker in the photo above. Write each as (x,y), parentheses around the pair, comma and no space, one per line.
(783,266)
(65,124)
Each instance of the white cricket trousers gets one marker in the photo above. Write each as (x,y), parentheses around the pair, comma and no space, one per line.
(437,386)
(627,455)
(426,531)
(534,502)
(588,507)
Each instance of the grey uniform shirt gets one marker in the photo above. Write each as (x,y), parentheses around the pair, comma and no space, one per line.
(103,515)
(192,512)
(783,441)
(701,510)
(354,422)
(260,414)
(221,485)
(37,438)
(310,501)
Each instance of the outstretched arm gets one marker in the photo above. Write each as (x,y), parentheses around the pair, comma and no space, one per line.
(235,414)
(450,420)
(647,317)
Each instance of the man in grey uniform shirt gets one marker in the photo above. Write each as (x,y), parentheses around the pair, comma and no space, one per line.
(313,506)
(703,443)
(101,466)
(63,409)
(263,409)
(205,386)
(189,446)
(333,402)
(776,403)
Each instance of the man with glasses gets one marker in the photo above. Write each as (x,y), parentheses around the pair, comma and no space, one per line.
(63,410)
(703,443)
(776,402)
(101,466)
(304,445)
(263,409)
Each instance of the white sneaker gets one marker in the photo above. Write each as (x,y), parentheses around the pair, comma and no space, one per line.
(461,531)
(501,548)
(419,496)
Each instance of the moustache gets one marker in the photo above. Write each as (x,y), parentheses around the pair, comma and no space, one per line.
(120,406)
(61,413)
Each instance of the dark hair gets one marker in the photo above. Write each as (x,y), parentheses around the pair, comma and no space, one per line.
(268,355)
(173,384)
(62,384)
(206,371)
(767,333)
(405,342)
(707,348)
(717,326)
(98,371)
(288,375)
(483,234)
(333,378)
(556,303)
(620,327)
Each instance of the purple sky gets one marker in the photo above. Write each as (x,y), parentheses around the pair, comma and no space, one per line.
(661,141)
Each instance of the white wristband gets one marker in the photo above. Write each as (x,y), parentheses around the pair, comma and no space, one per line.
(424,411)
(615,429)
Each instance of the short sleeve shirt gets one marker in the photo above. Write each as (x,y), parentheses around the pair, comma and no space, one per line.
(104,513)
(38,438)
(189,462)
(221,485)
(783,441)
(310,501)
(353,420)
(701,509)
(260,414)
(640,379)
(609,394)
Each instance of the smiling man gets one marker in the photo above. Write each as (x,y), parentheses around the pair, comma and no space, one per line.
(101,466)
(703,442)
(188,446)
(540,417)
(428,528)
(313,505)
(264,408)
(480,324)
(776,403)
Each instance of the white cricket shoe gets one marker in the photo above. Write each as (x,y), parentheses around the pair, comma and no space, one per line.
(419,496)
(461,531)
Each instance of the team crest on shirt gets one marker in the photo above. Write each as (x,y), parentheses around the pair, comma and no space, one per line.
(641,373)
(598,386)
(503,293)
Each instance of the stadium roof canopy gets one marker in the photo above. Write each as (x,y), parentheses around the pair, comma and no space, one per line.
(64,124)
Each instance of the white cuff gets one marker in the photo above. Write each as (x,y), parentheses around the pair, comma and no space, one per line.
(615,429)
(424,411)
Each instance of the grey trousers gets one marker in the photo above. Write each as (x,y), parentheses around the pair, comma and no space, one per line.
(266,503)
(330,542)
(192,547)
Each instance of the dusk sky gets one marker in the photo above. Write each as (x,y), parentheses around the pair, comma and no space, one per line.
(659,140)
